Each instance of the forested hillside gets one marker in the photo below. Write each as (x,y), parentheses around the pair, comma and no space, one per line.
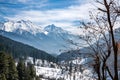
(17,50)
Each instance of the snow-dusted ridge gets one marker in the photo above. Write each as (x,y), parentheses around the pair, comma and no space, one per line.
(28,26)
(37,36)
(12,26)
(53,28)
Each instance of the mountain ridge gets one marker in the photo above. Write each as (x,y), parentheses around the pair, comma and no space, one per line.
(51,38)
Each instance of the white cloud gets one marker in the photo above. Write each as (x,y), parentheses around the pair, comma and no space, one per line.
(60,17)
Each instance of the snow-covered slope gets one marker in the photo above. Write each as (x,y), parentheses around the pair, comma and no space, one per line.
(51,39)
(52,71)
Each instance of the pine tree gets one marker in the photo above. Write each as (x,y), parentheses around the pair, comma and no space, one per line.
(31,71)
(13,75)
(21,70)
(3,65)
(27,74)
(8,69)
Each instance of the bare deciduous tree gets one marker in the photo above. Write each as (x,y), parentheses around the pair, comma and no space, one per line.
(99,35)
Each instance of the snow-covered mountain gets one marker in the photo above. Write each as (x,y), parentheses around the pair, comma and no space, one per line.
(51,39)
(28,26)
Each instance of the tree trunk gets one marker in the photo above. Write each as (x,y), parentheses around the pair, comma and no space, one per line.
(113,40)
(103,70)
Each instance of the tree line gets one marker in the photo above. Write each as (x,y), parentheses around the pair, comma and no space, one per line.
(10,70)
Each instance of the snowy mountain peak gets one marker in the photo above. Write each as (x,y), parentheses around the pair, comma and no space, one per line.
(8,26)
(28,26)
(54,29)
(25,22)
(22,26)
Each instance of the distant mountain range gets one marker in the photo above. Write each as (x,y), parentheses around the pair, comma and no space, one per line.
(51,39)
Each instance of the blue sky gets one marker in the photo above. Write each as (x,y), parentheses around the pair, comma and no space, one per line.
(63,13)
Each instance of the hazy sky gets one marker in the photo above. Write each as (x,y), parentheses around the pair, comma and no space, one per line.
(62,13)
